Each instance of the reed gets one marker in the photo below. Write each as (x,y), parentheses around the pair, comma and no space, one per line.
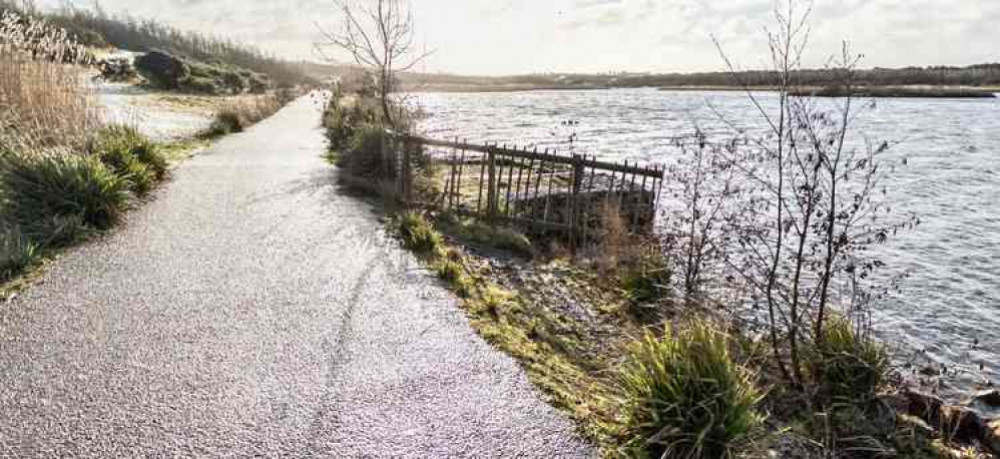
(45,101)
(243,112)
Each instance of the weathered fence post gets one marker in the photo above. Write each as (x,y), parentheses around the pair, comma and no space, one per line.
(491,192)
(575,200)
(407,173)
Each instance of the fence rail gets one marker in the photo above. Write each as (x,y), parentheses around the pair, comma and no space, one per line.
(573,195)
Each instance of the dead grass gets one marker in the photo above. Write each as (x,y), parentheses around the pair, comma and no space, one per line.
(45,101)
(240,113)
(45,105)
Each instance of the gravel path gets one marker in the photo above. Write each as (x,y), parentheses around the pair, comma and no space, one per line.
(255,309)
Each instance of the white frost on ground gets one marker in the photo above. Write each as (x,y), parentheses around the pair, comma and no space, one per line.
(151,113)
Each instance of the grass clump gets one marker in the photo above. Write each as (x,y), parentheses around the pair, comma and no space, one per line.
(239,114)
(54,197)
(226,121)
(645,279)
(131,155)
(17,252)
(483,234)
(686,397)
(453,273)
(419,235)
(847,366)
(848,370)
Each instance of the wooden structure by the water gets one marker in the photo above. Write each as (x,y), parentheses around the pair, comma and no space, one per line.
(544,191)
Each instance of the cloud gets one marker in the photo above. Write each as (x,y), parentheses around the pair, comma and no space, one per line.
(607,18)
(583,4)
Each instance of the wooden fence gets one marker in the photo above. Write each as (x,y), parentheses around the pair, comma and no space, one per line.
(543,191)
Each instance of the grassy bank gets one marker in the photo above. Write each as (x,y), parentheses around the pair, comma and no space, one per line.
(643,370)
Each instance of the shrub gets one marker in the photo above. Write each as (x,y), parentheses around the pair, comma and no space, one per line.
(685,397)
(339,129)
(53,197)
(259,84)
(202,85)
(418,234)
(344,116)
(234,82)
(368,154)
(16,252)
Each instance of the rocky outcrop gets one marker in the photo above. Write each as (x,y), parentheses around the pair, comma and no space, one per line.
(163,70)
(991,439)
(958,423)
(988,398)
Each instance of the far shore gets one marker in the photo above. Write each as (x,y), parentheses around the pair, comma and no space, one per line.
(922,91)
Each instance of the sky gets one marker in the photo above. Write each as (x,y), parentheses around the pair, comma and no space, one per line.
(503,37)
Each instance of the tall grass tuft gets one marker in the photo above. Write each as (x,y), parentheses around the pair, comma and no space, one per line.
(847,365)
(686,397)
(16,252)
(131,156)
(419,235)
(55,197)
(237,115)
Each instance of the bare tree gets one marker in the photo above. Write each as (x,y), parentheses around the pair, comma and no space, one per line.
(379,36)
(805,205)
(696,224)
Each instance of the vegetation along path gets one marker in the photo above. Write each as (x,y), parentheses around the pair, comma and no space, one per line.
(254,309)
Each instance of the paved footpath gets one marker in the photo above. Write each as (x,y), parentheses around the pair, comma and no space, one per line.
(255,309)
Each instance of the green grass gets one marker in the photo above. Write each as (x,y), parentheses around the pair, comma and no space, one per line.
(17,252)
(643,281)
(482,234)
(52,200)
(549,347)
(846,367)
(55,198)
(686,397)
(131,155)
(419,235)
(177,151)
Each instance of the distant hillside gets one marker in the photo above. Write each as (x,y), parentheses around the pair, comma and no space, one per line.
(98,28)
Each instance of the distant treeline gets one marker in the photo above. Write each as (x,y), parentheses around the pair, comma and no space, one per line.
(99,29)
(975,75)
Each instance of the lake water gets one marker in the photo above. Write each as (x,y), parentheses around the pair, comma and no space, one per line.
(949,309)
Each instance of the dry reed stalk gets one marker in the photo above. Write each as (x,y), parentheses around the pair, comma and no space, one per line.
(251,109)
(45,100)
(47,105)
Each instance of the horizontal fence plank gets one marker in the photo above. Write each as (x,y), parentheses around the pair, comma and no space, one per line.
(548,157)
